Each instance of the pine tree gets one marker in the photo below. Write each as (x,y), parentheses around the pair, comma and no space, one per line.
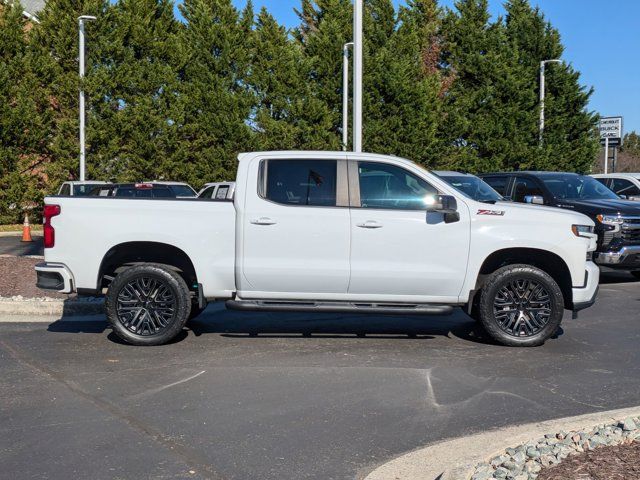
(631,144)
(24,119)
(215,97)
(54,46)
(484,126)
(325,26)
(132,84)
(403,82)
(570,141)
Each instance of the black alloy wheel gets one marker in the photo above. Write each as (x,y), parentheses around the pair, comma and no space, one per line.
(522,308)
(146,306)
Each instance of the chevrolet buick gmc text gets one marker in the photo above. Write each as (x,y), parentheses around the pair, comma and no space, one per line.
(323,231)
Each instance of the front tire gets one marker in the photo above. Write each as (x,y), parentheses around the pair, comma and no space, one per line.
(148,304)
(521,306)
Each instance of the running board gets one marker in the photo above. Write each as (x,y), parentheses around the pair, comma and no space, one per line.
(339,307)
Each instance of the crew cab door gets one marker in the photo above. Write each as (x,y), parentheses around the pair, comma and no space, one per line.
(398,250)
(295,221)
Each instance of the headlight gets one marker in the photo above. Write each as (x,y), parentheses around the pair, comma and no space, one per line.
(610,219)
(582,230)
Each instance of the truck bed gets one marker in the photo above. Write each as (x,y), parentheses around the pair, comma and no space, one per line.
(89,227)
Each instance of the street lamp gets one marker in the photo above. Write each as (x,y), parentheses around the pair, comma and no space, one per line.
(345,95)
(81,21)
(542,68)
(357,75)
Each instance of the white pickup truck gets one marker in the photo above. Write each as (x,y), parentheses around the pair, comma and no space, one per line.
(323,232)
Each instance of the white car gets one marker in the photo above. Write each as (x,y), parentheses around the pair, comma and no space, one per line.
(218,191)
(627,185)
(79,189)
(323,232)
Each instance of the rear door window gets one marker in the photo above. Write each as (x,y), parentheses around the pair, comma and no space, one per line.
(301,182)
(526,187)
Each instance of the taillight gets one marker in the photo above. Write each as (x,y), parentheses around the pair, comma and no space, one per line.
(49,212)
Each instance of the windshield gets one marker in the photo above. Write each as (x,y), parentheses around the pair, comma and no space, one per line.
(474,188)
(571,186)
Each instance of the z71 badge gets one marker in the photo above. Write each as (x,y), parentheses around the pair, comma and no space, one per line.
(497,213)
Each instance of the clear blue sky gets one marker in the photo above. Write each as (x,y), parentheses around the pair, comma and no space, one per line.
(601,39)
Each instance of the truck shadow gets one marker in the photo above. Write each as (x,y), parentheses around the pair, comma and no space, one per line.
(252,325)
(255,326)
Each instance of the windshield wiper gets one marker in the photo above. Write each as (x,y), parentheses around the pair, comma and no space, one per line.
(490,202)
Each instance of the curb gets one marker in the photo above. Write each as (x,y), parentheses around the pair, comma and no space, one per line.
(51,307)
(456,459)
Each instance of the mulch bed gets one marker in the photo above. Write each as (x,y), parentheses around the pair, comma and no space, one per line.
(620,462)
(17,277)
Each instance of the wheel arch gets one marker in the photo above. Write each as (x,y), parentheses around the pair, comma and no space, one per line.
(545,260)
(134,253)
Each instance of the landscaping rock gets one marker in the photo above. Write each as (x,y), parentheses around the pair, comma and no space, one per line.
(524,462)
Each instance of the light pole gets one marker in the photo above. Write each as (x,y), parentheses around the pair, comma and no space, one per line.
(357,75)
(542,68)
(81,21)
(345,95)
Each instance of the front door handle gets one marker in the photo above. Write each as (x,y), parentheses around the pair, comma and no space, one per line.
(263,221)
(369,224)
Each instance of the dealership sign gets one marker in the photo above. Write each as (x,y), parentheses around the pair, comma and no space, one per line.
(611,130)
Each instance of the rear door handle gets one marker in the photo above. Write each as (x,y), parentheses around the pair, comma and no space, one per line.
(263,221)
(369,224)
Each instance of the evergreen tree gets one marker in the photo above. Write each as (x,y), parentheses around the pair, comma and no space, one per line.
(403,83)
(483,121)
(216,100)
(23,119)
(631,144)
(133,100)
(325,26)
(54,46)
(285,110)
(570,139)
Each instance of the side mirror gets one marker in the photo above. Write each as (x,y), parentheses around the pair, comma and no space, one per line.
(534,199)
(443,204)
(623,197)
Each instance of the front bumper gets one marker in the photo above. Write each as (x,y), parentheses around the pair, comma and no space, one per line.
(626,257)
(585,296)
(54,276)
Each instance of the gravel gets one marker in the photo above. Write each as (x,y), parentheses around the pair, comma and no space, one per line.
(18,279)
(527,461)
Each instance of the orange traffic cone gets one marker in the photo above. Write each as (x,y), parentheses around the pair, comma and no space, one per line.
(26,230)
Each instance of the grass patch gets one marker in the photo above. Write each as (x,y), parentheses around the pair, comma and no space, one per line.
(18,227)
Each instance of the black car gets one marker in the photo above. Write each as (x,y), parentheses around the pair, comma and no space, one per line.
(617,220)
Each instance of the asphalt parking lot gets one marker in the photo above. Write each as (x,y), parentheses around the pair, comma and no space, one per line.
(292,396)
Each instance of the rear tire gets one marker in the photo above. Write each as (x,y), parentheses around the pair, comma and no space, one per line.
(521,306)
(148,304)
(636,274)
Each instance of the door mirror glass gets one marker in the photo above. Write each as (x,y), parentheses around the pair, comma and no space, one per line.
(534,199)
(443,204)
